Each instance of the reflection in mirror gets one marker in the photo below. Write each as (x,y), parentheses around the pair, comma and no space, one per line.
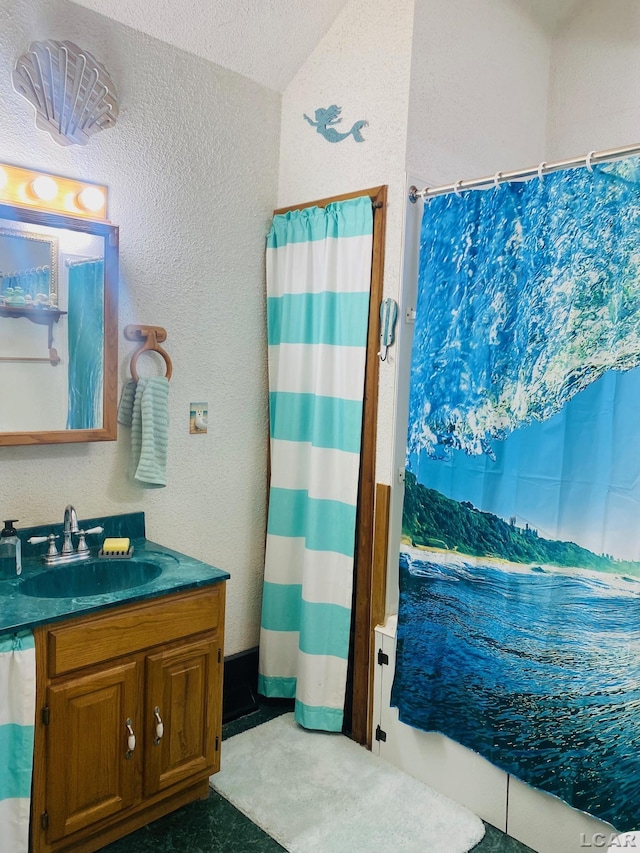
(28,268)
(57,329)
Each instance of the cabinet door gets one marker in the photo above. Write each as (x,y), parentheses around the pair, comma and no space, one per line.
(91,772)
(184,688)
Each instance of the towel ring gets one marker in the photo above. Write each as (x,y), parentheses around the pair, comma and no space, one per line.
(587,161)
(151,336)
(541,171)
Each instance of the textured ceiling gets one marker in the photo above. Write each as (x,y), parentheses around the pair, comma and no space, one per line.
(266,41)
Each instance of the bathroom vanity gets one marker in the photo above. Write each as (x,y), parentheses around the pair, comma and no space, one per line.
(130,717)
(128,692)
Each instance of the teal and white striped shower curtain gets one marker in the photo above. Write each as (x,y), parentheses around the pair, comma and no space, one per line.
(318,285)
(17,714)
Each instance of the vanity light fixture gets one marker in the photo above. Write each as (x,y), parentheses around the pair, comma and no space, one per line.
(44,188)
(29,188)
(91,198)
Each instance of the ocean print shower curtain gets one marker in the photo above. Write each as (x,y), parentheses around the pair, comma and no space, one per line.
(519,617)
(318,289)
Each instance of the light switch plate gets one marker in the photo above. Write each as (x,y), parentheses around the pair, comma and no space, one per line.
(198,418)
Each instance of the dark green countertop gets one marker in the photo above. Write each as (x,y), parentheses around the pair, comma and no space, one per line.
(178,572)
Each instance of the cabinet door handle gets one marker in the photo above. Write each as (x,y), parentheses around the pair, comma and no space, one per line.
(131,739)
(159,726)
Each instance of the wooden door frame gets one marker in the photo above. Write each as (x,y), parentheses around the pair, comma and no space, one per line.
(369,582)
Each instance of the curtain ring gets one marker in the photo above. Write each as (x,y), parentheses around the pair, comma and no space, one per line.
(587,161)
(540,171)
(496,180)
(456,188)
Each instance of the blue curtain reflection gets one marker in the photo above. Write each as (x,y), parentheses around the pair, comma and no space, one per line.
(86,337)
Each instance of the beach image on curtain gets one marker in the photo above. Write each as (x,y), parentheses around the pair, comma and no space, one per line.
(318,285)
(519,616)
(17,715)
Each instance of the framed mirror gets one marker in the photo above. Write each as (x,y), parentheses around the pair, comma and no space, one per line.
(58,327)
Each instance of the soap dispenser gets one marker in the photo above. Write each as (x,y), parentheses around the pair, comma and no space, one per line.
(10,548)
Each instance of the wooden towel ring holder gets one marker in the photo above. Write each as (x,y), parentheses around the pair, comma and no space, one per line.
(151,337)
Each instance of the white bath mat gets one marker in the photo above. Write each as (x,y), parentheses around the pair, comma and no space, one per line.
(322,793)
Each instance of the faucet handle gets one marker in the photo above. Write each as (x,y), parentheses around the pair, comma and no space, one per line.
(37,540)
(82,544)
(52,551)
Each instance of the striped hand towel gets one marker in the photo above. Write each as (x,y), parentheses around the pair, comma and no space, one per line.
(148,416)
(125,406)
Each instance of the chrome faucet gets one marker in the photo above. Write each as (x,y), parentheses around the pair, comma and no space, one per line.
(67,554)
(70,526)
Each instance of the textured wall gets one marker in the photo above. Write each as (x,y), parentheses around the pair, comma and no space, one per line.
(593,100)
(192,173)
(479,82)
(362,65)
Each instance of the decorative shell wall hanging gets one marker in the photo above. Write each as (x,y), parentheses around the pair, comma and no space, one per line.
(72,93)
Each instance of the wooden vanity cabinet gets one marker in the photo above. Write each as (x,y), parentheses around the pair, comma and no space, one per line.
(150,671)
(84,740)
(182,680)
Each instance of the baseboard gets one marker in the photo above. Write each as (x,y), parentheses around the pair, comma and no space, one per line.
(240,685)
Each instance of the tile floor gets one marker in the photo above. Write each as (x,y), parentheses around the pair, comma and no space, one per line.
(215,826)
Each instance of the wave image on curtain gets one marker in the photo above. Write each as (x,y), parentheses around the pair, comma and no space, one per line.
(318,286)
(519,617)
(86,344)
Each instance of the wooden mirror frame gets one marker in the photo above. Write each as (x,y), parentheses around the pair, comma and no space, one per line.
(108,430)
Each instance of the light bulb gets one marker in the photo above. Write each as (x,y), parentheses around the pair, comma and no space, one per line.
(44,188)
(3,178)
(91,198)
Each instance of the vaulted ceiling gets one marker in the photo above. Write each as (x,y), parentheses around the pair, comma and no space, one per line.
(265,40)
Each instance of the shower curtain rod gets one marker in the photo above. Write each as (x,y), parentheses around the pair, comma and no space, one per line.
(490,181)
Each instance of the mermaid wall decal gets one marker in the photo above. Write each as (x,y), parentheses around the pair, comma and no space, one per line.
(325,118)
